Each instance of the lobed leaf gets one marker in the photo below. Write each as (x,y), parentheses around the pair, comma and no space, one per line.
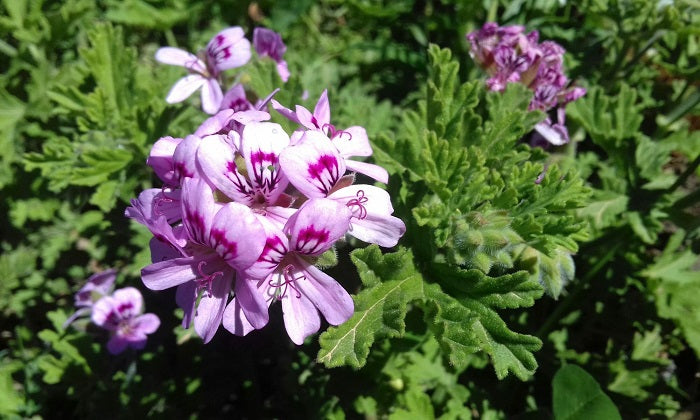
(391,283)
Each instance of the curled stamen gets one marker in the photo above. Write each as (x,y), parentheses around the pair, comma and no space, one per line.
(335,132)
(289,279)
(359,202)
(204,281)
(161,200)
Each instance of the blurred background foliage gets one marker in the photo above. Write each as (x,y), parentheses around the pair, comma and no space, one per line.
(82,101)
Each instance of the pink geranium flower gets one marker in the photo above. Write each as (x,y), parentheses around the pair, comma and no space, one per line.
(285,272)
(120,313)
(268,43)
(315,167)
(218,240)
(349,142)
(228,49)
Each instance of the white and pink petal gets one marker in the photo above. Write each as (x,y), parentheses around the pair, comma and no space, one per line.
(217,161)
(317,225)
(313,165)
(184,88)
(327,295)
(237,235)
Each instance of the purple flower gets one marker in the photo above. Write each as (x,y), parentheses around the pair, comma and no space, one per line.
(98,285)
(220,238)
(316,168)
(121,314)
(352,141)
(284,272)
(228,49)
(510,56)
(161,159)
(269,43)
(258,182)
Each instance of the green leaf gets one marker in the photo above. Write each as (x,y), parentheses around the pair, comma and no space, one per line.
(391,282)
(577,395)
(140,13)
(100,165)
(463,318)
(11,401)
(417,406)
(105,196)
(605,209)
(11,113)
(675,284)
(610,121)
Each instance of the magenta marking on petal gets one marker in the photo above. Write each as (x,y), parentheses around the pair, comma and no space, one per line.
(257,158)
(112,319)
(219,238)
(310,237)
(326,164)
(220,40)
(195,226)
(181,170)
(261,161)
(274,250)
(315,122)
(239,182)
(124,307)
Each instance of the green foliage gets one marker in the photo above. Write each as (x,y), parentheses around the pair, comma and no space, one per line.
(391,282)
(606,224)
(576,395)
(673,282)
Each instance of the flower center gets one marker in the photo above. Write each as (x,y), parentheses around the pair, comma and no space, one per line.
(286,281)
(204,280)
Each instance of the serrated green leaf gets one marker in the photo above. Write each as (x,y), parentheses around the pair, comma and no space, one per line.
(11,113)
(417,406)
(604,209)
(464,322)
(391,283)
(105,196)
(675,283)
(577,395)
(101,164)
(11,400)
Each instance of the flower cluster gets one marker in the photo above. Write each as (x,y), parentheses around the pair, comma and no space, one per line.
(227,50)
(118,312)
(245,211)
(511,56)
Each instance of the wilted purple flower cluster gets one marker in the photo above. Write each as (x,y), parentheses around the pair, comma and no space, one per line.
(510,56)
(227,50)
(246,210)
(118,312)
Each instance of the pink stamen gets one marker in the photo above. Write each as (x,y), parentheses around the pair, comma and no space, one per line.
(359,202)
(335,132)
(205,280)
(289,279)
(162,200)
